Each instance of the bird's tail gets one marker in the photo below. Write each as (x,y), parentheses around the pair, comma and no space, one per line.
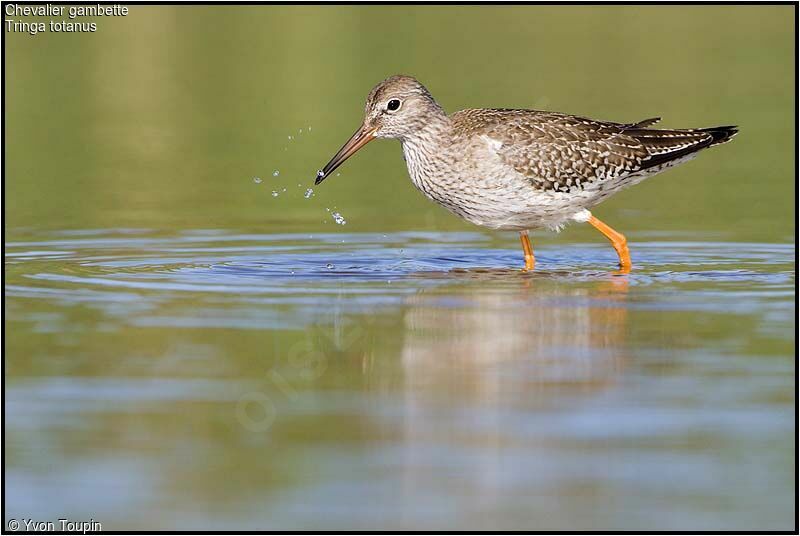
(721,135)
(667,146)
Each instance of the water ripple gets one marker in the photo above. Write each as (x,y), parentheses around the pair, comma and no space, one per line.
(369,270)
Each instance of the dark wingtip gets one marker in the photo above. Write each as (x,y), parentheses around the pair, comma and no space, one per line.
(722,134)
(320,178)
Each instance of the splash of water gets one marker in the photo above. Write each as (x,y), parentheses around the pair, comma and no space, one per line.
(338,218)
(257,180)
(308,193)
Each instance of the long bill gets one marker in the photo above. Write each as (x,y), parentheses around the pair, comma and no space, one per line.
(358,140)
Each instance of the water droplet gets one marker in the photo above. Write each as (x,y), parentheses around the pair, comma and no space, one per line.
(276,173)
(308,193)
(290,137)
(257,180)
(338,218)
(283,190)
(338,174)
(301,131)
(275,193)
(329,266)
(309,129)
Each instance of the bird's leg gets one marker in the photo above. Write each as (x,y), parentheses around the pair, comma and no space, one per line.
(617,240)
(530,261)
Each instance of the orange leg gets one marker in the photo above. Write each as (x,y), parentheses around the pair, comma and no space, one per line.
(530,261)
(617,240)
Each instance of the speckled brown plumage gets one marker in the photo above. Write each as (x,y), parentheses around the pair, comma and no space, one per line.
(565,152)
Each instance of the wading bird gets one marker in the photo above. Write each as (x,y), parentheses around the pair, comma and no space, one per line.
(520,169)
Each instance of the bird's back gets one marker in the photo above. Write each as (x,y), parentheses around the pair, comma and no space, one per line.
(561,152)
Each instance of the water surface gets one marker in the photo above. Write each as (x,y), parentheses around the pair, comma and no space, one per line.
(399,380)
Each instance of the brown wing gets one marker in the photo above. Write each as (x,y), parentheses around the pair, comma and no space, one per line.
(563,152)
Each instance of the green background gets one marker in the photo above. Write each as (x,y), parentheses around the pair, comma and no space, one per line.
(161,119)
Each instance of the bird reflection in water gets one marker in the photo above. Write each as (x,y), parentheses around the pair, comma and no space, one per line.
(536,331)
(491,371)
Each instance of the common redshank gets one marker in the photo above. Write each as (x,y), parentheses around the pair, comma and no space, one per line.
(517,170)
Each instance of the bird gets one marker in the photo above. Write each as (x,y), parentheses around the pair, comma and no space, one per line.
(516,169)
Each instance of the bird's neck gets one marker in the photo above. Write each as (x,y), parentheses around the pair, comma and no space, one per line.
(424,151)
(428,140)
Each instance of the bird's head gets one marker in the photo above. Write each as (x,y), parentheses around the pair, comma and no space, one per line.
(397,108)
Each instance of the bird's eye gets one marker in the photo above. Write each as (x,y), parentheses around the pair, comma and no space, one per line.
(393,105)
